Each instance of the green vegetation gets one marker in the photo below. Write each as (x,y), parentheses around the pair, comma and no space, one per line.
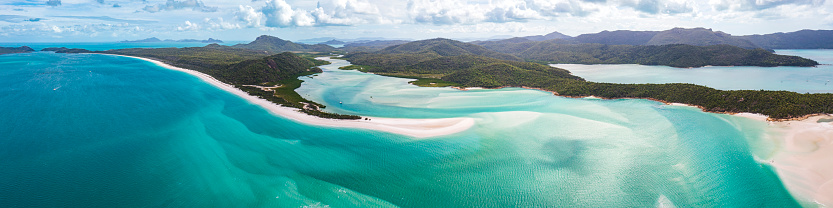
(619,37)
(693,36)
(776,104)
(371,46)
(241,67)
(698,37)
(675,55)
(272,44)
(444,47)
(478,71)
(21,49)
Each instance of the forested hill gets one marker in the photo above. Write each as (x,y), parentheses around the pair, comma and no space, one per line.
(445,47)
(693,36)
(371,46)
(804,39)
(550,36)
(699,37)
(675,55)
(21,49)
(619,37)
(276,45)
(230,65)
(277,74)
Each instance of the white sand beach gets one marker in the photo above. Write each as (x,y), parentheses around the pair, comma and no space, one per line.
(419,128)
(805,159)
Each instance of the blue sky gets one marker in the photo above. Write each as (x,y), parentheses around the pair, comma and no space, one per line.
(113,20)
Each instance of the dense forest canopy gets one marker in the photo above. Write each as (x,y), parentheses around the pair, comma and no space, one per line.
(675,55)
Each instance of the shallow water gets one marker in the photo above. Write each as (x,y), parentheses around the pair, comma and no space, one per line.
(796,79)
(103,131)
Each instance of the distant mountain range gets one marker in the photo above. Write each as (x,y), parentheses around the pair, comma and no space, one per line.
(154,39)
(804,39)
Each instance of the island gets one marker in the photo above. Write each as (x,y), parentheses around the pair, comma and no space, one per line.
(443,62)
(21,49)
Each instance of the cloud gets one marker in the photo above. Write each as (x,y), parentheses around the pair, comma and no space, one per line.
(106,18)
(249,15)
(658,6)
(195,5)
(216,24)
(12,18)
(563,7)
(512,13)
(189,27)
(100,1)
(753,5)
(53,3)
(278,13)
(346,12)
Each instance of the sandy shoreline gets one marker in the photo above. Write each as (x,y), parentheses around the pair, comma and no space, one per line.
(805,159)
(419,128)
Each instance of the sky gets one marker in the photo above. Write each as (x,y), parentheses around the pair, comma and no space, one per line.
(241,20)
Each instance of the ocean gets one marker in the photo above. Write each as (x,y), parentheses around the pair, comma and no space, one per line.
(91,130)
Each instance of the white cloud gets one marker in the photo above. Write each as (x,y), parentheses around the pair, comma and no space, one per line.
(278,13)
(250,16)
(217,24)
(195,5)
(189,27)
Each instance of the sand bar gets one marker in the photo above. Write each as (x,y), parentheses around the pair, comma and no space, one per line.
(419,128)
(805,159)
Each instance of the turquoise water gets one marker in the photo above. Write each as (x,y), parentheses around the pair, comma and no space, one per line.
(88,130)
(797,79)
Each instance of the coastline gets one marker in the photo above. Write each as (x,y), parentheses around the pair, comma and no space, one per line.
(805,149)
(802,161)
(804,158)
(419,128)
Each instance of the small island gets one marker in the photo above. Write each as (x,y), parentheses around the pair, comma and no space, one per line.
(21,49)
